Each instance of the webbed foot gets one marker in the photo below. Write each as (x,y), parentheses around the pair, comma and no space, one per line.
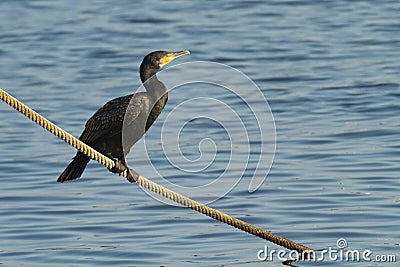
(132,176)
(119,167)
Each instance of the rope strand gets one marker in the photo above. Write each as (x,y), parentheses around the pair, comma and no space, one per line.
(146,183)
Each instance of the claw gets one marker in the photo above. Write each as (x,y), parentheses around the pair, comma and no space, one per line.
(132,176)
(119,167)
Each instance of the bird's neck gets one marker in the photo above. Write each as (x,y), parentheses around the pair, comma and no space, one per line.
(154,87)
(146,73)
(157,92)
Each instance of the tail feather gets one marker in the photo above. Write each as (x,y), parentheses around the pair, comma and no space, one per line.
(74,169)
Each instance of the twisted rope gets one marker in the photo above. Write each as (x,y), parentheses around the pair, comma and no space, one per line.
(146,183)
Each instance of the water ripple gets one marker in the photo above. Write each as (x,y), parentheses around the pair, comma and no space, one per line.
(329,70)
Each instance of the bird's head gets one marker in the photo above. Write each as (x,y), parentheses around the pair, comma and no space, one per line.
(158,59)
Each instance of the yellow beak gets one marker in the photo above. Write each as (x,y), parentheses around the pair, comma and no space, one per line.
(171,56)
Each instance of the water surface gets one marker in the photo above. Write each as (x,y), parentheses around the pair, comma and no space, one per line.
(330,71)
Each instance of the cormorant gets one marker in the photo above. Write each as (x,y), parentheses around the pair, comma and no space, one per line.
(132,114)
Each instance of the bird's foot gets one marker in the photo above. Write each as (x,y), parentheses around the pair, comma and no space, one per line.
(119,167)
(132,176)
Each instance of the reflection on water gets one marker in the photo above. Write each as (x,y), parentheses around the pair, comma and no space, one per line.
(329,70)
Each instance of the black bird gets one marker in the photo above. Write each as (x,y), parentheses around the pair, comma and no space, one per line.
(131,115)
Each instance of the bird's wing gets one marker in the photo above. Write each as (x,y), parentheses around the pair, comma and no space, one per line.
(108,120)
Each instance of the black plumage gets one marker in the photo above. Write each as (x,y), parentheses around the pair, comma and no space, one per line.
(130,115)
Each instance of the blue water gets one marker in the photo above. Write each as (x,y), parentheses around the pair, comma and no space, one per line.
(329,69)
